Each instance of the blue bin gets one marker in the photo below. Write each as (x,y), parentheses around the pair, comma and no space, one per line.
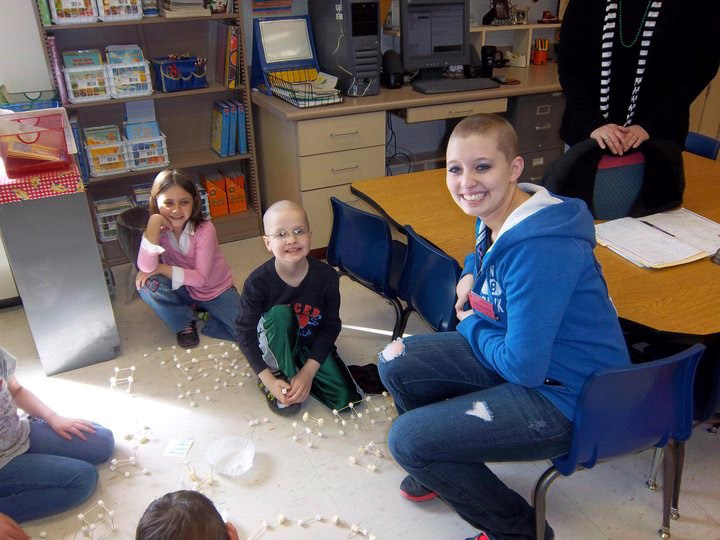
(177,75)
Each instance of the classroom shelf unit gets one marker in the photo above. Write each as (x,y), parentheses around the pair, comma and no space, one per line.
(184,117)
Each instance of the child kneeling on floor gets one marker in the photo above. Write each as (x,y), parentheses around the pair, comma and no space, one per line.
(193,272)
(47,461)
(186,515)
(290,318)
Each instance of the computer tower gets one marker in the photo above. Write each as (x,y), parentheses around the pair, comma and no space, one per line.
(347,41)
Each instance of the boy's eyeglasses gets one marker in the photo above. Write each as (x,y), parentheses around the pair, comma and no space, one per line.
(284,235)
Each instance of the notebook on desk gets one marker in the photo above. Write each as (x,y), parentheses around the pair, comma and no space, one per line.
(661,240)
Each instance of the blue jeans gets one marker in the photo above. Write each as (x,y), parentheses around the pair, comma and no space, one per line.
(175,307)
(455,415)
(54,474)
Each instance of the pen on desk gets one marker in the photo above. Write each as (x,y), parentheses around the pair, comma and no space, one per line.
(656,227)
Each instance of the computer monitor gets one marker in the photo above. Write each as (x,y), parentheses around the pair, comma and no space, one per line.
(285,40)
(434,34)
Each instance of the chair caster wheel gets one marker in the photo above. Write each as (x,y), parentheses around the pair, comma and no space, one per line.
(651,485)
(674,514)
(664,533)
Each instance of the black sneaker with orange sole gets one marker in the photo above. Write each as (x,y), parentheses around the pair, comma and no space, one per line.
(412,490)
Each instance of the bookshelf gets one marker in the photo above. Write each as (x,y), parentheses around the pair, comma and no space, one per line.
(184,117)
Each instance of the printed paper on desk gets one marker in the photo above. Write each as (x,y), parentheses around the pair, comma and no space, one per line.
(690,228)
(178,447)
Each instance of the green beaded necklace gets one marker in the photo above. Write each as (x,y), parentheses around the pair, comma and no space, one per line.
(642,24)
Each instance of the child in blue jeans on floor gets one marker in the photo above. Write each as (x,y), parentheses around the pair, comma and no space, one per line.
(503,386)
(47,461)
(181,266)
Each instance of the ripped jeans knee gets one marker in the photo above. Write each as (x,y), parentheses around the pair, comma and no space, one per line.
(392,350)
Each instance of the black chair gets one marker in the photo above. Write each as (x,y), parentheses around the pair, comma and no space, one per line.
(130,227)
(651,404)
(361,247)
(427,284)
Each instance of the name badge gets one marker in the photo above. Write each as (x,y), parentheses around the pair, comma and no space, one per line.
(479,304)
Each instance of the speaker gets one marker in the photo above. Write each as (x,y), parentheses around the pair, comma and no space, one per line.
(392,75)
(473,68)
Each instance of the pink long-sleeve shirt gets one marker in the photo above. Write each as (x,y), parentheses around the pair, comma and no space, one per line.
(196,260)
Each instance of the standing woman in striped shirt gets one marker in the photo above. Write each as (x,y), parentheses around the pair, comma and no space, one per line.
(630,69)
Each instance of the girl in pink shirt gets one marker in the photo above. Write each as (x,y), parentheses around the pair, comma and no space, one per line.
(181,267)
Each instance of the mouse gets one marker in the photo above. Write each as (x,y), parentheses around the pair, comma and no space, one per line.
(501,79)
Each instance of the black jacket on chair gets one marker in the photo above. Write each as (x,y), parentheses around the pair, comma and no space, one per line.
(573,175)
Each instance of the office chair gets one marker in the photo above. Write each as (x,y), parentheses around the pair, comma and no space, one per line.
(361,247)
(427,284)
(618,181)
(702,145)
(623,411)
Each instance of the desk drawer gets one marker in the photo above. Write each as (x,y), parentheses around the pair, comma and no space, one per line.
(317,205)
(455,110)
(536,163)
(537,120)
(335,168)
(341,133)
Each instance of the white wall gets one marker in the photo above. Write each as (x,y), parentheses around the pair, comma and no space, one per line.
(22,62)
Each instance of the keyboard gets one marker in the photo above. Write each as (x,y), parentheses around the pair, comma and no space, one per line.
(441,86)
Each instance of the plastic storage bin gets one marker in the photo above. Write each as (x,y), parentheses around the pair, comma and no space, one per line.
(27,153)
(87,83)
(106,215)
(129,80)
(147,153)
(107,158)
(119,10)
(73,11)
(177,75)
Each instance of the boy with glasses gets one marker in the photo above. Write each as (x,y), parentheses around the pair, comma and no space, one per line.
(290,318)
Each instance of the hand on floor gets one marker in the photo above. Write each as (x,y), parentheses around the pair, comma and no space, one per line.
(9,530)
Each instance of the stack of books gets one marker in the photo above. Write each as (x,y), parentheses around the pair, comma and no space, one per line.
(140,194)
(183,8)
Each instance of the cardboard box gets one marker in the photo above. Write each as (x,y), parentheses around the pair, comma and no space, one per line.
(235,190)
(217,199)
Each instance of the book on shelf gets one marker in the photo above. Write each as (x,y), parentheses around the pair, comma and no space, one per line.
(123,54)
(142,130)
(84,57)
(175,9)
(241,136)
(661,240)
(57,69)
(102,134)
(220,128)
(226,66)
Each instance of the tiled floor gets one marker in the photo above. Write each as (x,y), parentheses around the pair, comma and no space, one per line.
(610,501)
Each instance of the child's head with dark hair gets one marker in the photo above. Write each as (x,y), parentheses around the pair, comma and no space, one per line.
(183,515)
(490,125)
(170,178)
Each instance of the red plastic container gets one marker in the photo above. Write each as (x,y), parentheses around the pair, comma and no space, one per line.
(28,153)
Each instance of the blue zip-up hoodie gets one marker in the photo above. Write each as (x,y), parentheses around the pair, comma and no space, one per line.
(554,323)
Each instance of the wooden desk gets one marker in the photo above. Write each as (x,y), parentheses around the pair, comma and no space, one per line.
(309,155)
(681,299)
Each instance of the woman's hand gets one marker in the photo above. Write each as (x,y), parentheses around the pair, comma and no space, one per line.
(634,137)
(611,136)
(9,530)
(67,427)
(141,278)
(463,290)
(159,222)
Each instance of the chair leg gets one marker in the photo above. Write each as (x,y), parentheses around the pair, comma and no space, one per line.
(539,500)
(669,456)
(679,463)
(401,319)
(651,482)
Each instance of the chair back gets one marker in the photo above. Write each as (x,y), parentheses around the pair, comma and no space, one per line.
(361,246)
(702,145)
(428,281)
(618,182)
(622,411)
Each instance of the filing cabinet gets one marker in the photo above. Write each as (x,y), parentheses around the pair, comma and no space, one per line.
(536,119)
(312,160)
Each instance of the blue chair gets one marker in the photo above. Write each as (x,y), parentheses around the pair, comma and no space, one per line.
(702,145)
(361,247)
(623,411)
(427,284)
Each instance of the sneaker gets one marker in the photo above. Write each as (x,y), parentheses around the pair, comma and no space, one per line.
(188,336)
(414,491)
(273,404)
